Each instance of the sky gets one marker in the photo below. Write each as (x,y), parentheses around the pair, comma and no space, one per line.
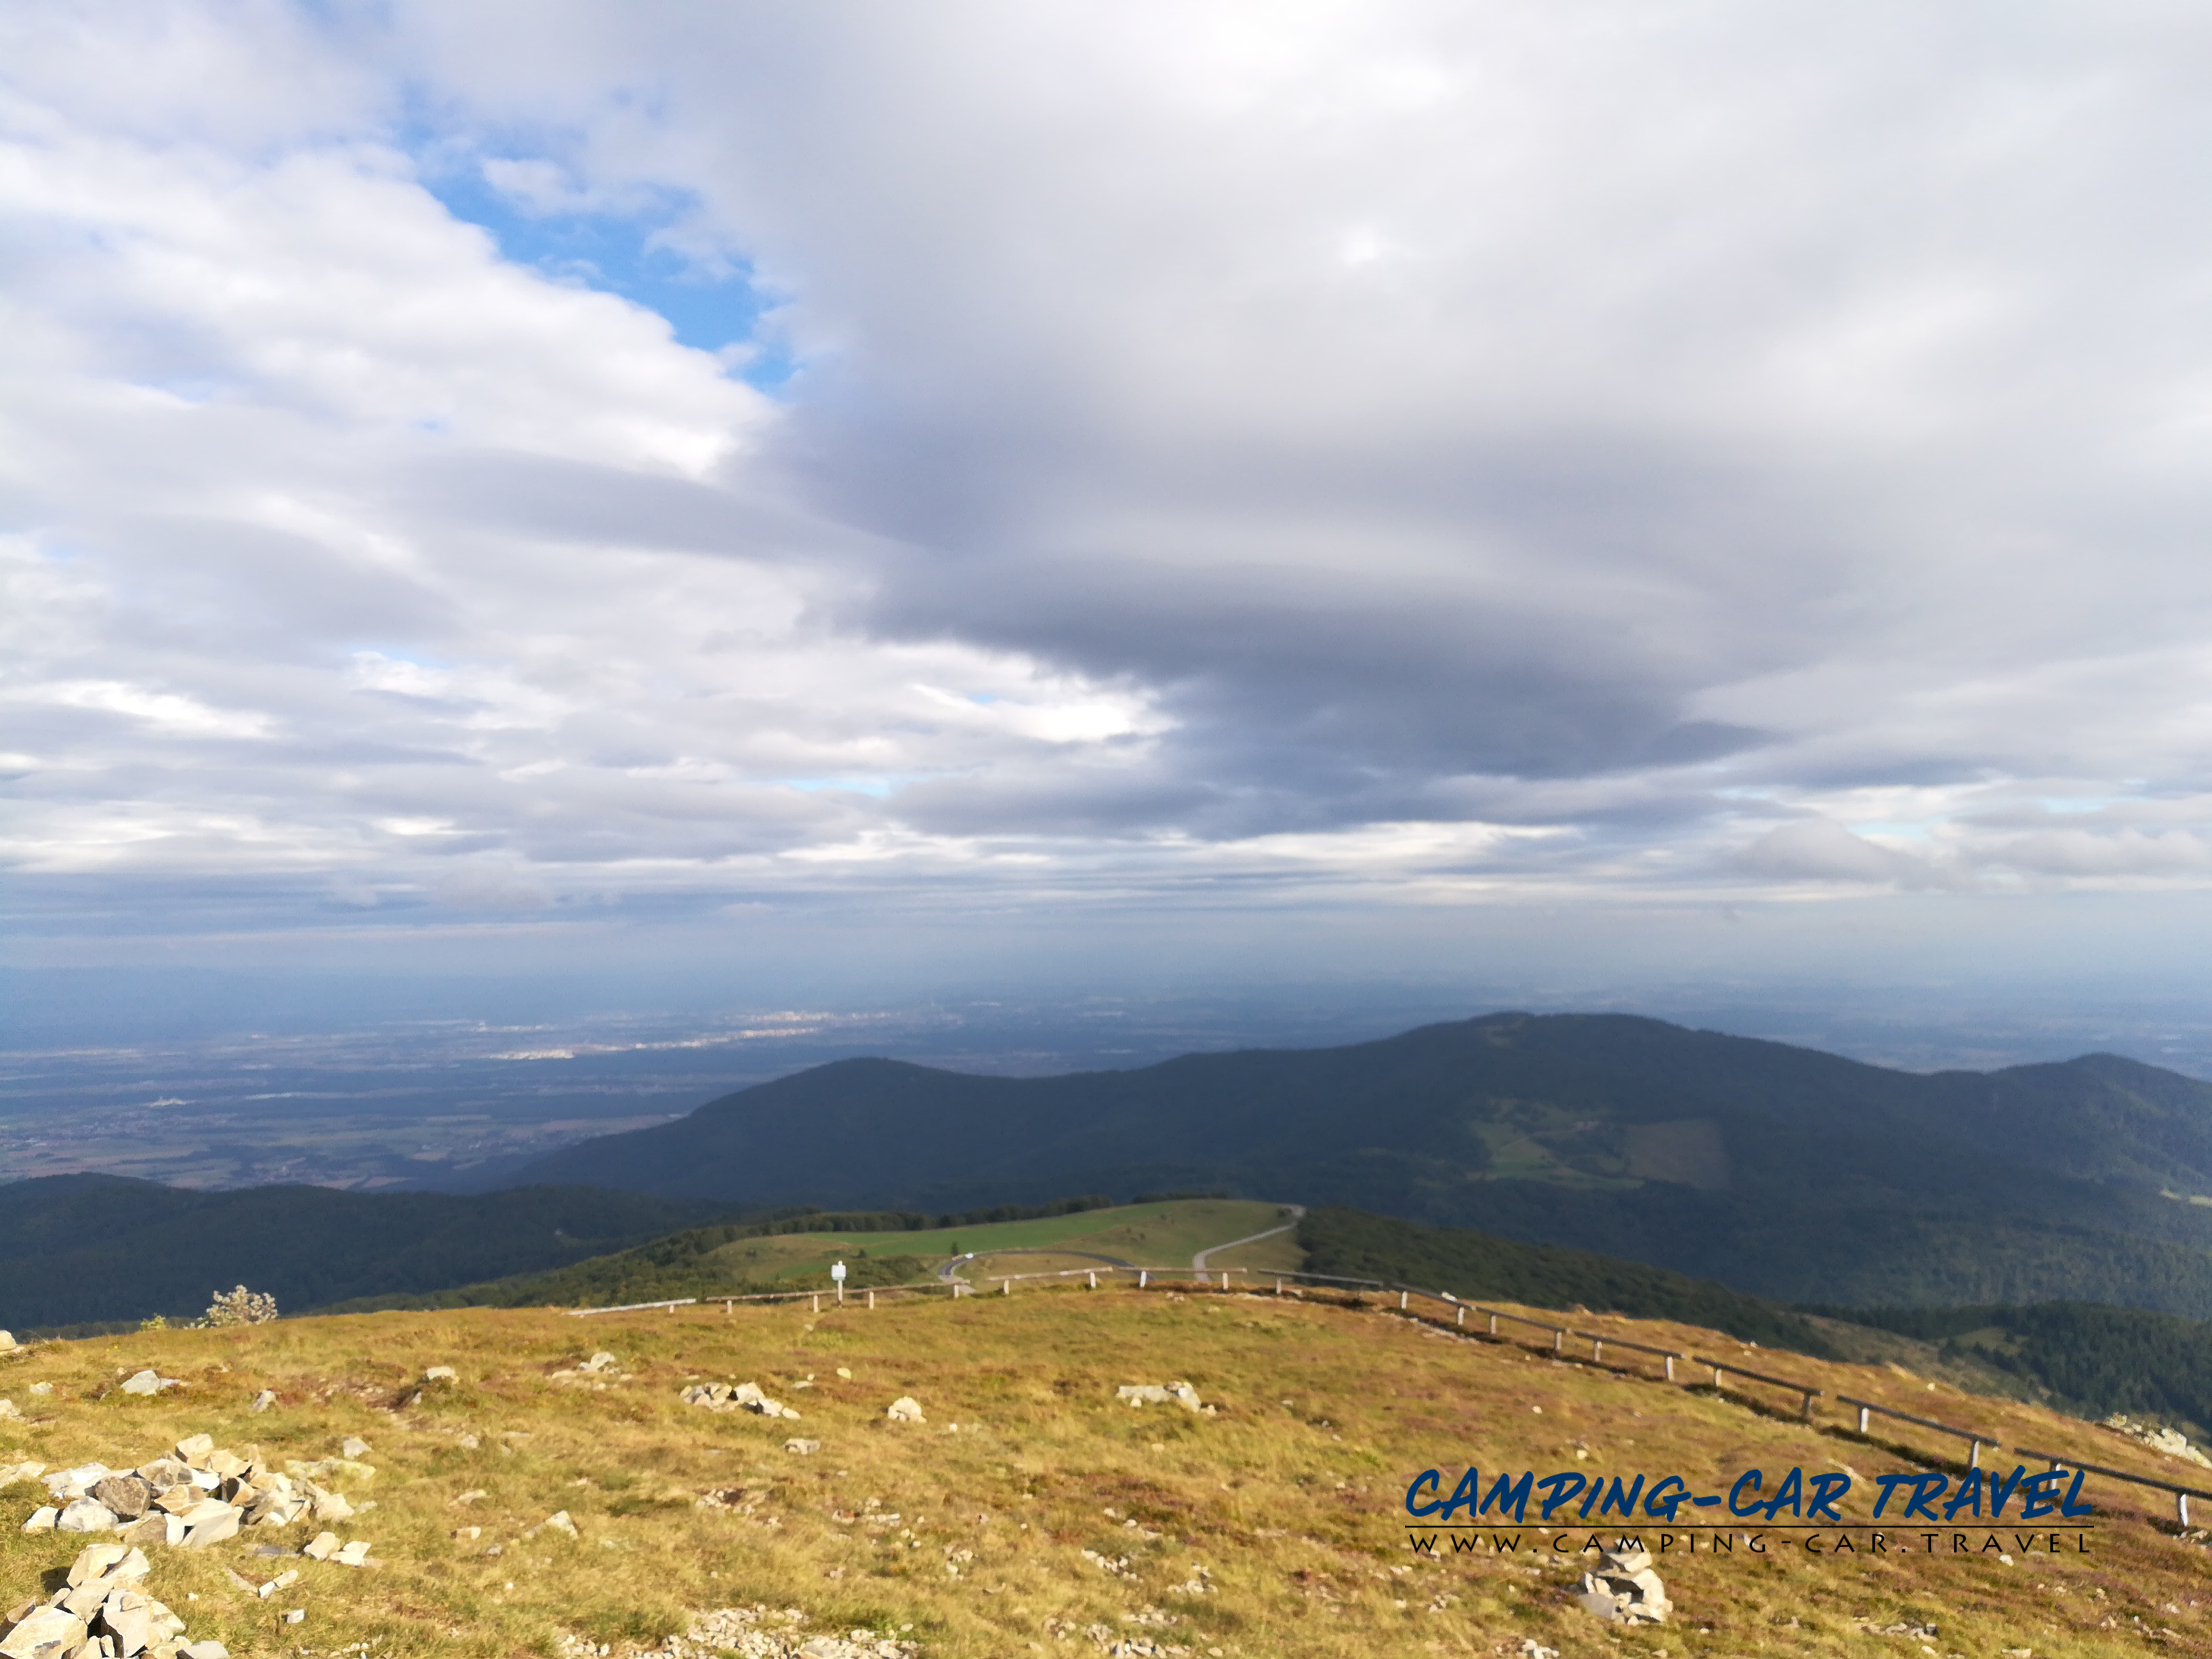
(1586,499)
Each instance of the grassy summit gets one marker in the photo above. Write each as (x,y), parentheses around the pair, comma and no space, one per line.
(1030,1512)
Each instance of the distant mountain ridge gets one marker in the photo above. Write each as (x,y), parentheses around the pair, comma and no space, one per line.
(1778,1169)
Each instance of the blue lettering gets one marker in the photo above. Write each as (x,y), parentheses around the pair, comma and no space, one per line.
(1790,1492)
(1968,1496)
(1926,1489)
(1559,1489)
(1659,1503)
(1430,1478)
(1464,1494)
(1621,1500)
(2001,1491)
(2073,1491)
(1752,1478)
(1515,1493)
(2038,1494)
(1820,1502)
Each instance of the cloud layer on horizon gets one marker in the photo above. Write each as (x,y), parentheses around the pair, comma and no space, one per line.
(1359,454)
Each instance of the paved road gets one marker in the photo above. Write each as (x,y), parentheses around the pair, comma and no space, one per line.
(947,1271)
(1297,1211)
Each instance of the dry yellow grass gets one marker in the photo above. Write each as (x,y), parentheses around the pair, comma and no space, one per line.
(1275,1528)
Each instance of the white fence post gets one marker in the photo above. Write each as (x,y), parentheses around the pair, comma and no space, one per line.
(817,1301)
(1143,1278)
(1005,1287)
(1094,1278)
(1463,1314)
(871,1298)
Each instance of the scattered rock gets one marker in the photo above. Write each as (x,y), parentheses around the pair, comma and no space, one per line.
(441,1374)
(803,1448)
(321,1547)
(102,1609)
(601,1361)
(11,1472)
(557,1522)
(126,1496)
(1624,1589)
(753,1633)
(86,1515)
(264,1400)
(8,1411)
(7,1343)
(1532,1649)
(354,1446)
(42,1519)
(149,1381)
(1154,1394)
(745,1396)
(904,1409)
(44,1633)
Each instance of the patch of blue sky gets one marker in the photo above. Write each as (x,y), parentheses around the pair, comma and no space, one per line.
(623,248)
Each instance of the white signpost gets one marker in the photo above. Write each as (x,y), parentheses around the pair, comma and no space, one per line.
(837,1277)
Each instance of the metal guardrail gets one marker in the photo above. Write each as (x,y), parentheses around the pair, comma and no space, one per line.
(1722,1370)
(2181,1494)
(1974,1437)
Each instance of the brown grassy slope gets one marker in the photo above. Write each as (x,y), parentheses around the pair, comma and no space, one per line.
(1289,1500)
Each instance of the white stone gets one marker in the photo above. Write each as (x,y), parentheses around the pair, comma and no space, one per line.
(44,1633)
(321,1547)
(354,1448)
(264,1400)
(42,1518)
(905,1409)
(441,1374)
(87,1515)
(146,1381)
(205,1651)
(353,1554)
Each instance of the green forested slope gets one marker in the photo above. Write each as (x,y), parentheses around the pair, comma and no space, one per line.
(76,1248)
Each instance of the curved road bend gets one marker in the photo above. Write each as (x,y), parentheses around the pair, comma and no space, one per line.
(947,1271)
(1297,1212)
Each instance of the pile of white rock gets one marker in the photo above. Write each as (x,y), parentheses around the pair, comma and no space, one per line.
(744,1396)
(198,1495)
(2171,1441)
(1624,1588)
(103,1609)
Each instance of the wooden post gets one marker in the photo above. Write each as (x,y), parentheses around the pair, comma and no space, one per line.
(1461,1320)
(1279,1288)
(1670,1368)
(729,1307)
(1401,1302)
(871,1298)
(1863,1419)
(1805,1415)
(1559,1340)
(1597,1349)
(1224,1278)
(817,1301)
(1493,1324)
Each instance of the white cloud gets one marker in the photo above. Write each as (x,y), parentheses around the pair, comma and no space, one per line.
(1403,450)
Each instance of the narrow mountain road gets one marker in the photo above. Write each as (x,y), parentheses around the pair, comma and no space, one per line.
(1296,1213)
(948,1270)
